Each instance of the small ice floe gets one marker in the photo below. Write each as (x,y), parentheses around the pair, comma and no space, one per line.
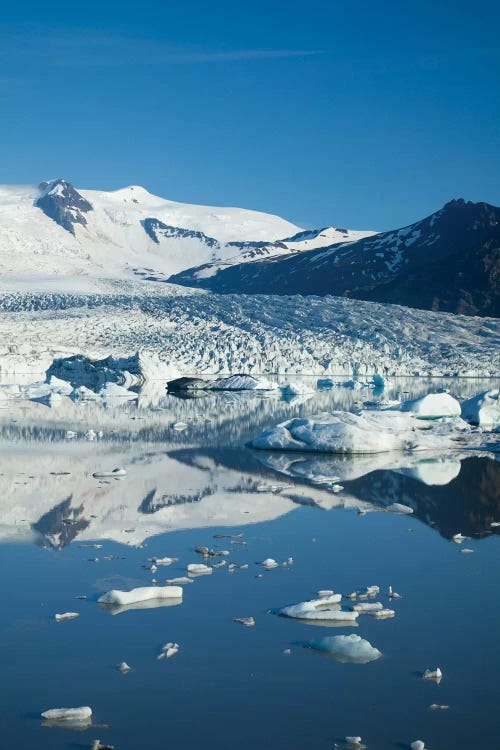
(123,667)
(179,426)
(417,745)
(433,674)
(247,621)
(433,405)
(179,581)
(118,472)
(438,707)
(228,536)
(363,607)
(466,550)
(323,593)
(272,487)
(153,568)
(382,614)
(81,714)
(483,409)
(399,508)
(198,569)
(297,388)
(326,608)
(353,595)
(220,564)
(494,524)
(144,593)
(459,538)
(354,741)
(66,616)
(373,590)
(169,650)
(287,651)
(97,745)
(269,563)
(393,594)
(70,434)
(346,648)
(90,546)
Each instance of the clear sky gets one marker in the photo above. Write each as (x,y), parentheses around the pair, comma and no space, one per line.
(366,114)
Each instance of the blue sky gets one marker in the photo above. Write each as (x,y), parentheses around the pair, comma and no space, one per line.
(360,114)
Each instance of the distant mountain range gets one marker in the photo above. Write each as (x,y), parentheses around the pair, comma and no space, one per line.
(55,234)
(449,261)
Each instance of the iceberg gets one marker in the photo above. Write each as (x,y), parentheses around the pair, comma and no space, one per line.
(142,594)
(368,432)
(326,608)
(347,648)
(433,405)
(81,714)
(483,409)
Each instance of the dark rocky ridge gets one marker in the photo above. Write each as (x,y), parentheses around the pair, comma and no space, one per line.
(449,261)
(61,202)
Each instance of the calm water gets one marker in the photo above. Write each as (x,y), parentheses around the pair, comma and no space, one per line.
(232,686)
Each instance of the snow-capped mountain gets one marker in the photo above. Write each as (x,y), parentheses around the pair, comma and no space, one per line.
(55,230)
(448,261)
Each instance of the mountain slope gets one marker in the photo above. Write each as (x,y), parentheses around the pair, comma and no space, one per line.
(55,231)
(448,261)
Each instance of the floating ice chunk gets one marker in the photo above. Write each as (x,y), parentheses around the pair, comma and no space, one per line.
(144,593)
(169,650)
(380,382)
(242,383)
(494,524)
(382,614)
(372,590)
(269,563)
(70,434)
(297,388)
(96,745)
(466,550)
(367,607)
(66,616)
(483,409)
(323,593)
(82,713)
(393,594)
(165,560)
(123,667)
(433,405)
(325,608)
(354,741)
(417,745)
(118,472)
(111,393)
(365,433)
(438,707)
(347,648)
(433,674)
(459,538)
(198,569)
(399,508)
(247,621)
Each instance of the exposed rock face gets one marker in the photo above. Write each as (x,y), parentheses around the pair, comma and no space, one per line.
(449,261)
(155,229)
(62,203)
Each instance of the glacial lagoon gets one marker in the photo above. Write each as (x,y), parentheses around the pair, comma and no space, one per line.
(191,480)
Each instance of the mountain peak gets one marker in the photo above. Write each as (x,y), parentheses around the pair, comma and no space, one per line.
(62,203)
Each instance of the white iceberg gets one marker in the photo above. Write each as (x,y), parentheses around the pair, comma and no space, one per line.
(298,388)
(269,563)
(365,433)
(242,383)
(83,713)
(142,594)
(483,409)
(66,616)
(326,608)
(169,650)
(433,405)
(198,569)
(363,607)
(433,674)
(417,745)
(347,648)
(118,472)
